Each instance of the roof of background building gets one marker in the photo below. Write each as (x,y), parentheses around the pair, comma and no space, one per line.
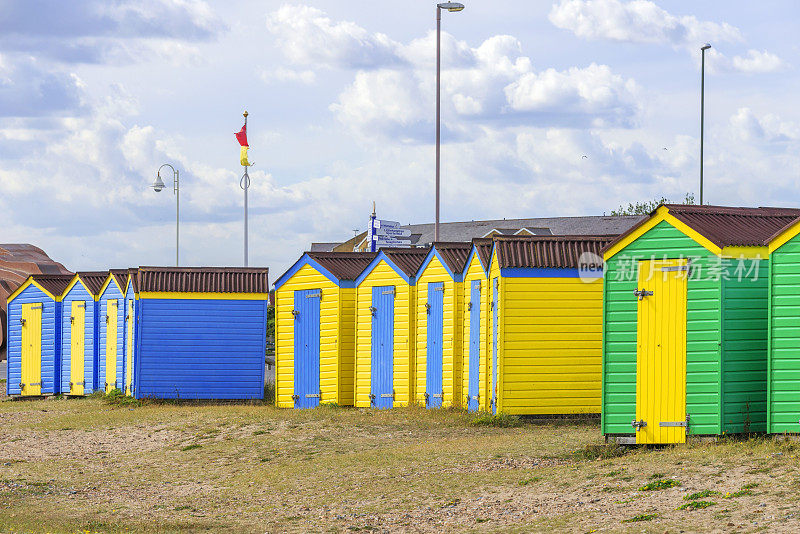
(560,252)
(323,247)
(203,279)
(727,225)
(344,265)
(422,234)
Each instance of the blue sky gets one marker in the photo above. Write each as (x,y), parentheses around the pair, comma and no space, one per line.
(95,95)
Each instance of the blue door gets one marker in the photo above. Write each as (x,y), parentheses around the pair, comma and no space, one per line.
(382,369)
(495,313)
(473,394)
(434,390)
(306,348)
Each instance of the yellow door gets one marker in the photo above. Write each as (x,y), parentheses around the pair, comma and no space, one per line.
(129,349)
(111,345)
(77,347)
(32,349)
(661,352)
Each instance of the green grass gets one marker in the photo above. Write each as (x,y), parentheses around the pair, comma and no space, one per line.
(192,447)
(657,485)
(700,495)
(498,420)
(640,517)
(696,505)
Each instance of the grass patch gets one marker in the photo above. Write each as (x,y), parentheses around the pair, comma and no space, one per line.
(117,397)
(598,452)
(259,432)
(700,495)
(750,486)
(500,420)
(657,485)
(696,505)
(741,493)
(655,476)
(640,517)
(531,480)
(269,393)
(192,447)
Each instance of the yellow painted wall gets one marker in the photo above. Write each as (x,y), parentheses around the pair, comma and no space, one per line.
(494,278)
(333,338)
(384,275)
(475,272)
(551,350)
(451,347)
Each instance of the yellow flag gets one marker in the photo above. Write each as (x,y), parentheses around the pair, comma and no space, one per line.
(243,157)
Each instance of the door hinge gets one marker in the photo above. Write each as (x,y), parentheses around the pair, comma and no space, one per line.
(439,289)
(438,395)
(672,268)
(638,425)
(684,423)
(642,293)
(313,395)
(387,395)
(314,296)
(388,292)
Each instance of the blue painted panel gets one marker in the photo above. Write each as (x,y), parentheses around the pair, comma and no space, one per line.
(112,292)
(77,293)
(200,349)
(434,389)
(50,349)
(382,365)
(495,324)
(306,348)
(473,386)
(129,324)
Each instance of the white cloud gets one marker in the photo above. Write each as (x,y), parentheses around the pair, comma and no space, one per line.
(306,36)
(282,74)
(642,21)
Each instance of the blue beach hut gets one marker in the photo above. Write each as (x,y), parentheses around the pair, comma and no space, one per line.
(79,322)
(112,331)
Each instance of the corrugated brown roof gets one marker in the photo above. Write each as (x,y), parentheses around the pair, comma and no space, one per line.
(134,278)
(483,247)
(121,276)
(204,279)
(56,284)
(408,260)
(727,225)
(93,280)
(344,265)
(560,252)
(454,254)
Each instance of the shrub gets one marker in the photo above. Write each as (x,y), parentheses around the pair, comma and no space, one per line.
(659,485)
(696,505)
(700,495)
(640,517)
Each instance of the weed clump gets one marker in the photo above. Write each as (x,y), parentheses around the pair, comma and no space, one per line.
(700,495)
(117,397)
(500,420)
(599,452)
(191,447)
(640,517)
(696,505)
(657,485)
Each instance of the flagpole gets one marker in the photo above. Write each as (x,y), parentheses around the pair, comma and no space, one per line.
(245,184)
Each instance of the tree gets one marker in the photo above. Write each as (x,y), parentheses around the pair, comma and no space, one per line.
(647,207)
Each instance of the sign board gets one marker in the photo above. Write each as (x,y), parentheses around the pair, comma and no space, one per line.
(387,234)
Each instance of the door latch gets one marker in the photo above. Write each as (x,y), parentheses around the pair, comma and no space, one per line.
(373,311)
(372,398)
(428,308)
(642,293)
(295,313)
(22,322)
(469,306)
(295,398)
(638,425)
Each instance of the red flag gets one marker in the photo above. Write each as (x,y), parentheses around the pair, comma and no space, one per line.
(241,136)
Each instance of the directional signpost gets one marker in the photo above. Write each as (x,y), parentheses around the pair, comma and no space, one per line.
(387,234)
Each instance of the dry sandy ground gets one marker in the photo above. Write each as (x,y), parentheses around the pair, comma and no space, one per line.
(75,465)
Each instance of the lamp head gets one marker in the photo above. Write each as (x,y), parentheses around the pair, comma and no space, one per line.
(451,6)
(705,46)
(158,185)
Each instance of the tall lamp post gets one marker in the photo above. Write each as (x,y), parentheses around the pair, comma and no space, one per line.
(452,7)
(159,185)
(702,111)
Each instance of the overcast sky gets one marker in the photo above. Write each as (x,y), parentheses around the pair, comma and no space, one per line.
(95,95)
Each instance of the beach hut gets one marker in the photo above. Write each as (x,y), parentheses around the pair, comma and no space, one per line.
(112,331)
(202,332)
(476,312)
(131,306)
(34,336)
(315,329)
(783,361)
(385,300)
(79,334)
(438,321)
(546,325)
(686,323)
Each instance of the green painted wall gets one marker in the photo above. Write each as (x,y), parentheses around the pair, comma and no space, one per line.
(745,304)
(702,337)
(783,377)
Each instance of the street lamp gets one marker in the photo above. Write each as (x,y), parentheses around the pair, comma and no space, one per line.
(702,111)
(453,7)
(158,186)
